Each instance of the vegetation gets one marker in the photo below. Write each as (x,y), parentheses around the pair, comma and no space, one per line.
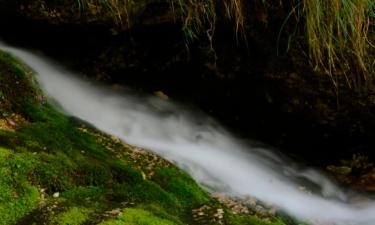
(336,31)
(17,196)
(138,216)
(198,16)
(58,170)
(119,10)
(73,216)
(358,172)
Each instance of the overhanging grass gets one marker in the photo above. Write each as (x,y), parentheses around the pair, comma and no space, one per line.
(119,10)
(337,32)
(198,17)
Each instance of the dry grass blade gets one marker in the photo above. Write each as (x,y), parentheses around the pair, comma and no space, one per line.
(119,10)
(234,11)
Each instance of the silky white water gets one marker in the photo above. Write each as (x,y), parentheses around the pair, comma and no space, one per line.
(198,145)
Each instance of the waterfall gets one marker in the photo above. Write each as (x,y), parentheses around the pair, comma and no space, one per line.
(197,144)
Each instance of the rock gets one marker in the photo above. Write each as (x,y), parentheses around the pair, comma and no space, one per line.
(115,212)
(56,195)
(161,95)
(11,122)
(4,125)
(144,177)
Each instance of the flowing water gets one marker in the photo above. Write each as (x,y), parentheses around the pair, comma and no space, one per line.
(197,144)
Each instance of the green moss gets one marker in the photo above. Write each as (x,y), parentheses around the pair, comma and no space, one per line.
(185,189)
(162,213)
(79,194)
(16,90)
(74,216)
(149,192)
(251,220)
(17,196)
(54,172)
(94,173)
(138,217)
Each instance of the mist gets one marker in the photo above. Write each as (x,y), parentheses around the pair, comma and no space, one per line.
(197,144)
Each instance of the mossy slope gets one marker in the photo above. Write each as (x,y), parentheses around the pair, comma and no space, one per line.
(59,170)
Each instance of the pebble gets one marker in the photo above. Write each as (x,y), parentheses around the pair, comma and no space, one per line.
(11,122)
(116,211)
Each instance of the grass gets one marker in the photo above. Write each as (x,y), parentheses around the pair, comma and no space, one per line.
(336,31)
(337,34)
(119,10)
(198,17)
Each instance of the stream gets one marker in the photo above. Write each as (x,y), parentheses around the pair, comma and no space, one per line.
(196,143)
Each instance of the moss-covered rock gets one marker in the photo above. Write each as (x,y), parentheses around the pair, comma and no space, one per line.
(58,170)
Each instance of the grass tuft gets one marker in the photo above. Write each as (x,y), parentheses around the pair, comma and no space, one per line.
(198,17)
(337,32)
(119,10)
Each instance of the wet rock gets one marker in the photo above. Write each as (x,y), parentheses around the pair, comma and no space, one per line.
(161,95)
